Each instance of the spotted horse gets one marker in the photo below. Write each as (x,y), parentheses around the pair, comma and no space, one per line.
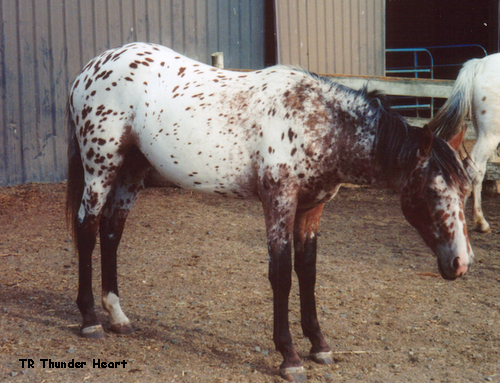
(280,135)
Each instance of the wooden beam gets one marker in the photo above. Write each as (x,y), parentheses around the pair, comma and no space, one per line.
(398,86)
(420,122)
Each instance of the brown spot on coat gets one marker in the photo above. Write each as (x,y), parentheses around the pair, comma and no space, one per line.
(90,153)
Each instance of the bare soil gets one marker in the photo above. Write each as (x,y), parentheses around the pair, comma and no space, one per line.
(193,279)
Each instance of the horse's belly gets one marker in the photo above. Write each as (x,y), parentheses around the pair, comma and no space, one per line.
(207,166)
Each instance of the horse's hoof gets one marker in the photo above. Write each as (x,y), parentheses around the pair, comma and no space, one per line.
(93,332)
(482,228)
(323,357)
(122,329)
(294,374)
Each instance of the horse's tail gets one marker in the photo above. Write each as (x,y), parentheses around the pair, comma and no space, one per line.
(76,181)
(450,118)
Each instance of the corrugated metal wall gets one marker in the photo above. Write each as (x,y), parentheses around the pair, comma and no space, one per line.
(45,43)
(332,36)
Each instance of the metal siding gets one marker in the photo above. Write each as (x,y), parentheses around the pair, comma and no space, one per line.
(3,157)
(232,60)
(100,18)
(332,36)
(223,29)
(301,16)
(379,42)
(347,37)
(212,25)
(114,14)
(321,33)
(190,29)
(329,31)
(45,43)
(12,171)
(339,62)
(201,31)
(311,22)
(72,44)
(154,21)
(141,28)
(60,79)
(127,21)
(86,41)
(245,38)
(44,92)
(27,92)
(256,32)
(177,26)
(165,15)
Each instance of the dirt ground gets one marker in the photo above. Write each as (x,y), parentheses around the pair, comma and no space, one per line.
(193,279)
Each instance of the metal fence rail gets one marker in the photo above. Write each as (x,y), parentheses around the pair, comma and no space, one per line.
(424,63)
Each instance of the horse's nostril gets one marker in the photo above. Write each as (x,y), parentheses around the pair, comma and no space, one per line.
(459,268)
(456,264)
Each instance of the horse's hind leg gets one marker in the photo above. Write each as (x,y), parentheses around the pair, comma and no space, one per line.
(480,154)
(86,227)
(118,205)
(87,231)
(99,175)
(305,240)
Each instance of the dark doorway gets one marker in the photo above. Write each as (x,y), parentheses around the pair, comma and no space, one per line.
(430,23)
(451,31)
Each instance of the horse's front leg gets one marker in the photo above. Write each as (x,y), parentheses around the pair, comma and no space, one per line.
(305,243)
(280,276)
(279,215)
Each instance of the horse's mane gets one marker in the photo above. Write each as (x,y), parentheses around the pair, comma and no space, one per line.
(397,142)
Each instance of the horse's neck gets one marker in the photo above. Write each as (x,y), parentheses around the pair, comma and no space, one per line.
(355,162)
(360,161)
(370,144)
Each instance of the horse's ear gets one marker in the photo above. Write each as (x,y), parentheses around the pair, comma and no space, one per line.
(425,139)
(458,138)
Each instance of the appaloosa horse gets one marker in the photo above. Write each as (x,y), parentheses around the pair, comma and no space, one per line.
(476,93)
(280,135)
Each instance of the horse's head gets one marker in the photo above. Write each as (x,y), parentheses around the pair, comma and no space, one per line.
(433,200)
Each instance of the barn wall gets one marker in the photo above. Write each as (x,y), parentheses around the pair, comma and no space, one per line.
(45,43)
(332,36)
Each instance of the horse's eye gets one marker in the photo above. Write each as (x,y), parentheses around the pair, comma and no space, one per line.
(432,193)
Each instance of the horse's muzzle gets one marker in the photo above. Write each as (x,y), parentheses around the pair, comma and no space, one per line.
(455,270)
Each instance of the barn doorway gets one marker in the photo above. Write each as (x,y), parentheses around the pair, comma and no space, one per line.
(433,38)
(461,25)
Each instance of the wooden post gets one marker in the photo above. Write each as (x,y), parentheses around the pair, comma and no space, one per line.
(218,60)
